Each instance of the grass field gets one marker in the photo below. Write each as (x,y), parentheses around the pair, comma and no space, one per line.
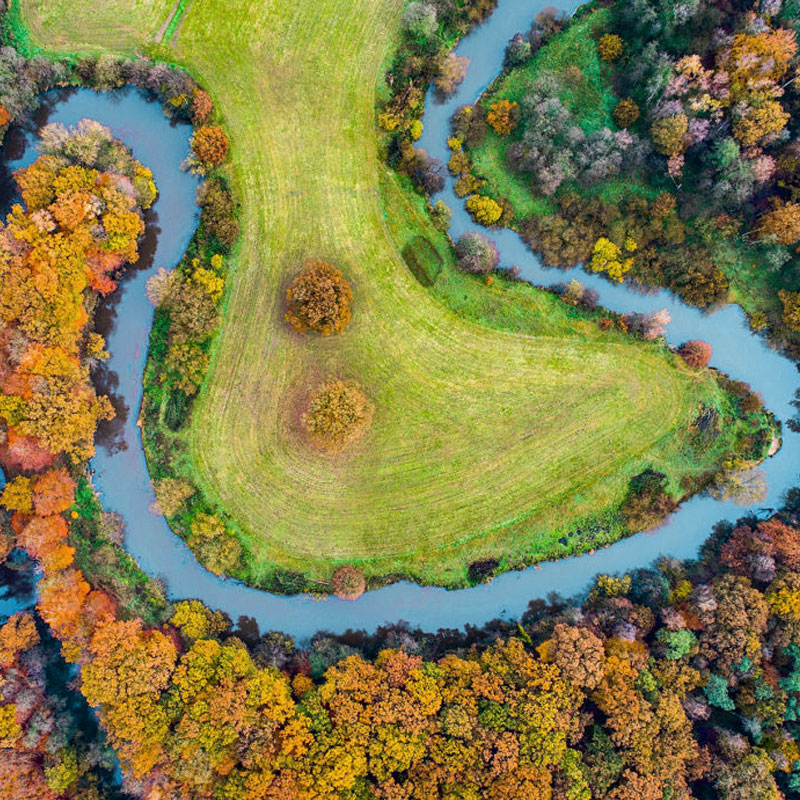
(503,419)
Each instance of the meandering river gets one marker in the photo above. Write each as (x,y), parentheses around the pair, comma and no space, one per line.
(119,469)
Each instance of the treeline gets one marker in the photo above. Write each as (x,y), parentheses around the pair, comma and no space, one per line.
(669,134)
(187,301)
(676,682)
(24,78)
(78,228)
(430,31)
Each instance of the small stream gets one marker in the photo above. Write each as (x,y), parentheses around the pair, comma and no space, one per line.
(120,472)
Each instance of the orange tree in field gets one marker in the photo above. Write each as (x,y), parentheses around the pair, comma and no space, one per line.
(319,299)
(339,414)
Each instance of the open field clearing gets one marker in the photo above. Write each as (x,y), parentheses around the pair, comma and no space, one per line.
(122,25)
(497,430)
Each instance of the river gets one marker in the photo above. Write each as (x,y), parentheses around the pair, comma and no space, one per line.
(119,469)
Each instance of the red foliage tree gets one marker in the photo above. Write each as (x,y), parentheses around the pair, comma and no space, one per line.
(696,353)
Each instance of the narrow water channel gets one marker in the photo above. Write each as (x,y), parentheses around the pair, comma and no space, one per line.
(120,472)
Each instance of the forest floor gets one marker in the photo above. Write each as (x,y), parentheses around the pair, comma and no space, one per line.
(504,419)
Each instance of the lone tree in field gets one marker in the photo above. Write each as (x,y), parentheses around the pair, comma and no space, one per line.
(319,299)
(348,583)
(696,353)
(338,415)
(476,253)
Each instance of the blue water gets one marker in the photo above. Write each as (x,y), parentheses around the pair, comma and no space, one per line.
(120,473)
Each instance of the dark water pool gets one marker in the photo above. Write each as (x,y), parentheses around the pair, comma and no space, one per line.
(120,472)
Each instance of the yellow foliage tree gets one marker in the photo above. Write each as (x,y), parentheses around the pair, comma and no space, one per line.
(483,209)
(791,308)
(607,257)
(610,47)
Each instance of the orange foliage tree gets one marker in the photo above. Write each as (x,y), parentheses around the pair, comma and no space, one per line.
(319,299)
(210,145)
(503,116)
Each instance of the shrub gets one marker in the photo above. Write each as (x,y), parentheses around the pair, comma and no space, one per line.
(625,113)
(791,309)
(467,184)
(441,214)
(503,116)
(419,20)
(469,126)
(476,254)
(188,362)
(482,571)
(215,546)
(423,260)
(459,163)
(427,172)
(217,215)
(610,47)
(201,106)
(647,503)
(338,415)
(696,353)
(348,583)
(483,209)
(210,145)
(176,409)
(650,325)
(546,24)
(171,494)
(518,51)
(319,299)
